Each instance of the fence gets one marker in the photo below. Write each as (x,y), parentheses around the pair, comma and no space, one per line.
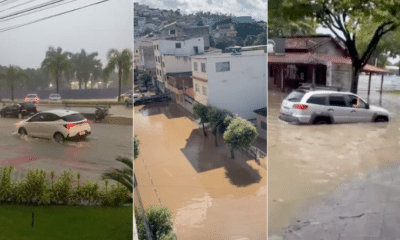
(257,154)
(67,93)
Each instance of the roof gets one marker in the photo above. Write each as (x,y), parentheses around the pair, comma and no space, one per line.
(312,42)
(314,58)
(261,111)
(60,112)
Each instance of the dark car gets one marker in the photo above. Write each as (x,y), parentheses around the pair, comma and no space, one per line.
(18,109)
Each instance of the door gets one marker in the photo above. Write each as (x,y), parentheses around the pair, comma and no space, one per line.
(338,108)
(34,126)
(359,113)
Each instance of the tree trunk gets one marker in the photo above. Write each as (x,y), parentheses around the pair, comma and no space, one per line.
(204,131)
(57,82)
(12,91)
(80,83)
(354,80)
(232,154)
(119,83)
(216,141)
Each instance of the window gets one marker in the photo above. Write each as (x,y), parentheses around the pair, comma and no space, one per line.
(295,96)
(163,64)
(73,117)
(157,47)
(263,125)
(195,66)
(203,67)
(171,31)
(204,90)
(319,100)
(337,101)
(222,66)
(177,45)
(49,117)
(37,118)
(197,87)
(353,101)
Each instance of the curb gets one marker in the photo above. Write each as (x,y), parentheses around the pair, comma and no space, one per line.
(111,119)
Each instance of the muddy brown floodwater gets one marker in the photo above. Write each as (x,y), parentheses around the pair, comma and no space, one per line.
(308,162)
(210,195)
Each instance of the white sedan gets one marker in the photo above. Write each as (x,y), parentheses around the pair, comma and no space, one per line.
(55,98)
(57,124)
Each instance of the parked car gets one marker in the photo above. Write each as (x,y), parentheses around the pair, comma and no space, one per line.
(55,98)
(34,98)
(57,124)
(131,99)
(125,95)
(18,109)
(318,106)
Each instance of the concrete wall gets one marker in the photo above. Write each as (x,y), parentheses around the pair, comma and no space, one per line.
(169,47)
(341,76)
(261,132)
(177,64)
(240,90)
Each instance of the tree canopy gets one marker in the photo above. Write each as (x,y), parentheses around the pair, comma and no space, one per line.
(56,62)
(359,24)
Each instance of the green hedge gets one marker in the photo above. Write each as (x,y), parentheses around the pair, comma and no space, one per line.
(37,189)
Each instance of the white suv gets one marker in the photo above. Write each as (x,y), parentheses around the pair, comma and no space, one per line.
(303,106)
(59,124)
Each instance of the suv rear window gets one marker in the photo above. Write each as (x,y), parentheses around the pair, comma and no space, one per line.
(295,96)
(31,95)
(320,100)
(27,105)
(73,117)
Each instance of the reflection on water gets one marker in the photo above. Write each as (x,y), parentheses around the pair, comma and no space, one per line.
(210,195)
(310,161)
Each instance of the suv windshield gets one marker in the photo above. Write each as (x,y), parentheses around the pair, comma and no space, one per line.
(295,96)
(54,95)
(73,117)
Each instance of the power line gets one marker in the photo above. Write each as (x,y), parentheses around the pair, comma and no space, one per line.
(37,10)
(17,5)
(32,8)
(55,15)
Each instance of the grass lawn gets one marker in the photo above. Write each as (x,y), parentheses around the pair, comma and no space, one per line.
(65,222)
(394,92)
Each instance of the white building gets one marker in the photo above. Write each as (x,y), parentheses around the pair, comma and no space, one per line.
(173,56)
(237,83)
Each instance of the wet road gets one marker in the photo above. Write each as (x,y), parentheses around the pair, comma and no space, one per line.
(210,195)
(91,157)
(308,162)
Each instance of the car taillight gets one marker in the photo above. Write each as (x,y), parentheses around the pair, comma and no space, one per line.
(69,125)
(87,121)
(23,110)
(300,106)
(36,99)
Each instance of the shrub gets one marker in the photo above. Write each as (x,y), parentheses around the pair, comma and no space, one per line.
(62,187)
(6,184)
(34,187)
(159,220)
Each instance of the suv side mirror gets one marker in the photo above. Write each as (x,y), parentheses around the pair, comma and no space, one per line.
(367,105)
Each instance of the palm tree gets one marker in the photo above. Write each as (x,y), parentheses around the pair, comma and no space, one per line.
(86,66)
(123,62)
(56,62)
(12,74)
(124,176)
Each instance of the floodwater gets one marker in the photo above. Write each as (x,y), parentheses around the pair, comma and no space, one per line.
(308,162)
(210,195)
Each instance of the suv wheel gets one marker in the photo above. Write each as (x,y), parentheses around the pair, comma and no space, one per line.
(58,137)
(381,119)
(321,120)
(22,132)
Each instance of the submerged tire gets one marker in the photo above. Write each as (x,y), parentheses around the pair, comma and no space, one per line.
(58,137)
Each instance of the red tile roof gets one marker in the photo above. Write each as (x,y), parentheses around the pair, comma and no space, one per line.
(313,58)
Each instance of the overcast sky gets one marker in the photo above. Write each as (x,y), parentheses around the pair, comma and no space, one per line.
(96,28)
(255,8)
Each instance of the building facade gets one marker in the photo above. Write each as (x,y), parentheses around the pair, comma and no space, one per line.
(237,83)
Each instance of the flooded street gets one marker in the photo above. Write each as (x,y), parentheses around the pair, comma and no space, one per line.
(210,195)
(307,163)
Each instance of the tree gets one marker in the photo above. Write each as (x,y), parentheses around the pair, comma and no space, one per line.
(239,134)
(13,74)
(244,29)
(201,111)
(56,62)
(261,39)
(159,219)
(249,40)
(279,24)
(145,78)
(346,18)
(85,66)
(124,176)
(136,143)
(123,62)
(217,121)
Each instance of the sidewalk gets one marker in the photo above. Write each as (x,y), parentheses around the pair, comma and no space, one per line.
(362,209)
